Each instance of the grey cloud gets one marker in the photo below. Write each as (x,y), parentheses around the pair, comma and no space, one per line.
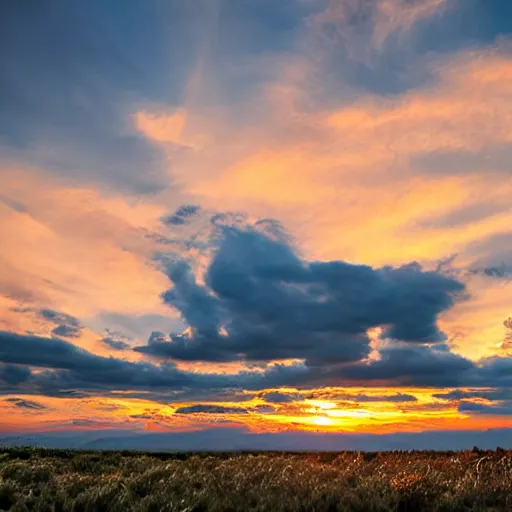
(67,326)
(25,404)
(115,344)
(499,409)
(181,215)
(86,422)
(115,340)
(263,409)
(209,395)
(135,326)
(157,337)
(14,374)
(497,159)
(398,398)
(210,409)
(498,245)
(491,256)
(67,331)
(466,214)
(414,365)
(58,318)
(83,367)
(70,368)
(336,396)
(13,204)
(71,371)
(498,272)
(278,398)
(460,394)
(495,371)
(275,305)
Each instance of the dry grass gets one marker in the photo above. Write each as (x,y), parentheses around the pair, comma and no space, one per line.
(52,480)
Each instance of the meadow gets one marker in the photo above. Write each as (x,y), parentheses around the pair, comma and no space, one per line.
(60,480)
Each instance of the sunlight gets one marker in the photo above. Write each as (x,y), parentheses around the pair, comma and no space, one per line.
(323,421)
(320,404)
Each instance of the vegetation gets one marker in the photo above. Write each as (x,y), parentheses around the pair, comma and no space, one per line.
(59,480)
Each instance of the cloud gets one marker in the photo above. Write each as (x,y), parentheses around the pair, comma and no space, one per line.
(413,365)
(468,214)
(69,367)
(276,397)
(83,368)
(115,344)
(137,325)
(25,404)
(372,39)
(85,422)
(115,340)
(263,409)
(488,394)
(14,204)
(57,317)
(466,161)
(66,331)
(181,215)
(397,398)
(96,238)
(502,272)
(14,374)
(261,301)
(210,409)
(508,326)
(492,255)
(500,409)
(494,371)
(67,326)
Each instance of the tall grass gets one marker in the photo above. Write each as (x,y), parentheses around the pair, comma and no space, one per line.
(54,480)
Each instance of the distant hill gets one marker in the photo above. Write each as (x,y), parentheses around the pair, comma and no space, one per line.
(234,439)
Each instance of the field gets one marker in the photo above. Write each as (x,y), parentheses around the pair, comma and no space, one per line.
(54,480)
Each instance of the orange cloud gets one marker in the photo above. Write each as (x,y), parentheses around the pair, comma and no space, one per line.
(75,250)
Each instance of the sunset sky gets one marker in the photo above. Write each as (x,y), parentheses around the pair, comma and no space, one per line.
(263,215)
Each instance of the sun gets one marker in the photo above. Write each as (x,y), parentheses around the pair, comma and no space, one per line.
(323,421)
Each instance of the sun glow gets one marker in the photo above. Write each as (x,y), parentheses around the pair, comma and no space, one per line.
(320,404)
(323,421)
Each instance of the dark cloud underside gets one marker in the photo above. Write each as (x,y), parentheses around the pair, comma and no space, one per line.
(262,302)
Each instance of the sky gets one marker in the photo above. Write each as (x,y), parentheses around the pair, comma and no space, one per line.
(258,217)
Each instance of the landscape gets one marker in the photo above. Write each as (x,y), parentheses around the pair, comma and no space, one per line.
(256,255)
(58,480)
